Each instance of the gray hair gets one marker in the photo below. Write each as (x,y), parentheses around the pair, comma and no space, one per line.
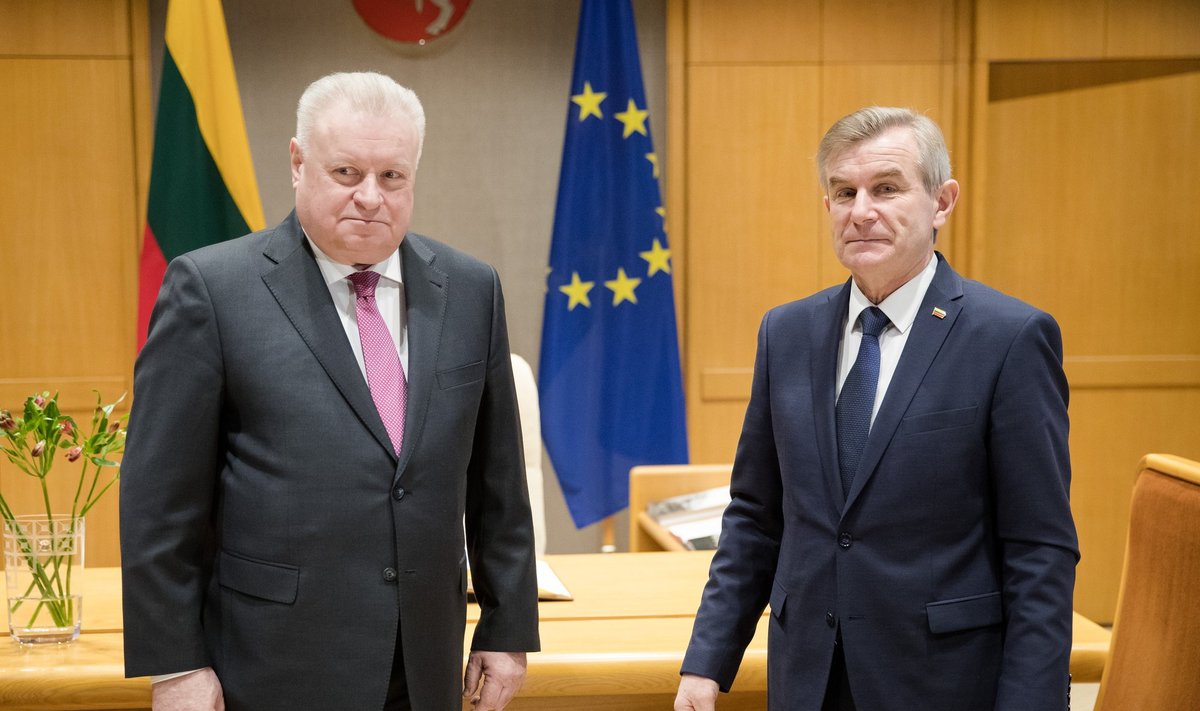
(933,160)
(366,92)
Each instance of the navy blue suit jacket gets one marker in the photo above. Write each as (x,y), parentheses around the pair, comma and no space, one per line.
(949,568)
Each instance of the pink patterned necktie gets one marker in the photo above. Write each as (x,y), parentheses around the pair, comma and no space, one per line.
(385,377)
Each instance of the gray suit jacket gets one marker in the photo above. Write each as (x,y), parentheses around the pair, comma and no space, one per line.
(267,528)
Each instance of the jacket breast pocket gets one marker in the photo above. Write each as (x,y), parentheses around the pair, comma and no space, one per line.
(940,420)
(965,613)
(269,581)
(462,375)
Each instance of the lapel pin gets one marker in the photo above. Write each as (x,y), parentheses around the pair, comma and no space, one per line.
(940,313)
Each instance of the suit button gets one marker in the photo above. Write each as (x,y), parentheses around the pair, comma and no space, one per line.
(398,493)
(829,619)
(845,539)
(389,575)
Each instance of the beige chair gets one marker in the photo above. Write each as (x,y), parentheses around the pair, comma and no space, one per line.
(1154,660)
(531,433)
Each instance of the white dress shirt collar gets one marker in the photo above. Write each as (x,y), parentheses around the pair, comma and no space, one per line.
(390,268)
(901,305)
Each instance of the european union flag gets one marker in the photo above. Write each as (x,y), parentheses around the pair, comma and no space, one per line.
(610,385)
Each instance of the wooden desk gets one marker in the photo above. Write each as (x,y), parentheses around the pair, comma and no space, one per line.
(617,645)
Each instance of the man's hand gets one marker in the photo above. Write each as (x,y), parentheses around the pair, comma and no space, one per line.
(696,693)
(198,691)
(493,678)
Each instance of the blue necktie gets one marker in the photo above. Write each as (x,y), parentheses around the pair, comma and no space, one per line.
(857,400)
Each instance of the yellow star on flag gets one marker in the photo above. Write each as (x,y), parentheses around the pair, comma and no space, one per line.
(622,287)
(589,102)
(658,259)
(577,292)
(634,120)
(653,158)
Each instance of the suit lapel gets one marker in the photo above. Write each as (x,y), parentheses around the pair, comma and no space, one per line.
(295,281)
(425,289)
(928,334)
(826,336)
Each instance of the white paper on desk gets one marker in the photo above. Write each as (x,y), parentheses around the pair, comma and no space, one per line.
(549,586)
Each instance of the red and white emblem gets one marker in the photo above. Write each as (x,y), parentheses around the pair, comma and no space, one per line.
(414,21)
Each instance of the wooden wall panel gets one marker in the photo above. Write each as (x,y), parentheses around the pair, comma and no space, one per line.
(1096,222)
(886,31)
(752,204)
(1153,28)
(68,241)
(1031,29)
(1094,211)
(87,28)
(69,215)
(764,31)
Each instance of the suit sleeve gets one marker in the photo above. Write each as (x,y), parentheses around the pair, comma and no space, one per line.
(1031,474)
(168,479)
(744,565)
(498,523)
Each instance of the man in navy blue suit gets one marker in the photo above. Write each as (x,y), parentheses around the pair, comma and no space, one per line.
(901,485)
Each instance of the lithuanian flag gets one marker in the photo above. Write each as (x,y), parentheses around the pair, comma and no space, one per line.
(202,187)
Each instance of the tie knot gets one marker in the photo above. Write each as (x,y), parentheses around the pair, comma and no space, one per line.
(873,321)
(364,283)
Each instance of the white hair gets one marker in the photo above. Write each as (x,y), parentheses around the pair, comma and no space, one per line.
(366,92)
(933,160)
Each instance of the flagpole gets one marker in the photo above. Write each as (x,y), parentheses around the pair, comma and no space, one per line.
(608,535)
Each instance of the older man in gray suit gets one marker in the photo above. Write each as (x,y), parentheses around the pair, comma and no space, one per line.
(317,409)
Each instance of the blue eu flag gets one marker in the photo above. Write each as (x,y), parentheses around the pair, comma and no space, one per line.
(610,385)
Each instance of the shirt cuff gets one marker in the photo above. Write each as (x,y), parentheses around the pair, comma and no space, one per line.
(175,675)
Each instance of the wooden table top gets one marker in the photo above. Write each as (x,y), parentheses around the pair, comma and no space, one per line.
(623,634)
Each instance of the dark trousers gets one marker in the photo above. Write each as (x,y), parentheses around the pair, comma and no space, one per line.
(397,695)
(837,692)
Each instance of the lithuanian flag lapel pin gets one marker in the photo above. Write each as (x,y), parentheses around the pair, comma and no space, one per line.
(940,313)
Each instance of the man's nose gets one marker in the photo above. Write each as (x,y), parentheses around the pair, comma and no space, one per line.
(368,195)
(863,209)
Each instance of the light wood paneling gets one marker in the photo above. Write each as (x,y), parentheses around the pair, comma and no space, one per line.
(68,239)
(1034,29)
(765,31)
(752,205)
(884,31)
(1096,222)
(89,28)
(1153,28)
(69,212)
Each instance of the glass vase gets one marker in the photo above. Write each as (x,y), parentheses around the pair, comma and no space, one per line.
(43,562)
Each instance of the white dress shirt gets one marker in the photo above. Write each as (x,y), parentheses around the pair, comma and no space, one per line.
(901,308)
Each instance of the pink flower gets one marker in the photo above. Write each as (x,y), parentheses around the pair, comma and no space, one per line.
(74,453)
(39,401)
(115,426)
(38,449)
(66,428)
(7,423)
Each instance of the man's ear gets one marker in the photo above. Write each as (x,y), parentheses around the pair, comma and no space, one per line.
(297,159)
(947,198)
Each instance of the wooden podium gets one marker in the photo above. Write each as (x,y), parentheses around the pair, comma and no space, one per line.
(617,645)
